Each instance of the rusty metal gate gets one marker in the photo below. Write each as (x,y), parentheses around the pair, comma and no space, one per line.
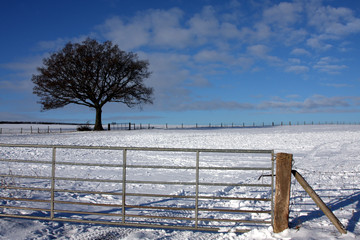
(169,188)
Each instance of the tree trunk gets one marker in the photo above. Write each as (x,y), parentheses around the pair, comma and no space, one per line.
(98,124)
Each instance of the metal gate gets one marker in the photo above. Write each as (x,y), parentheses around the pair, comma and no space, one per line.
(169,188)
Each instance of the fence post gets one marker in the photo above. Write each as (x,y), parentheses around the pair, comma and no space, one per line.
(123,209)
(52,205)
(282,192)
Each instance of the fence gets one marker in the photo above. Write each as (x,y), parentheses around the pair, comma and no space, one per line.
(37,130)
(138,126)
(190,189)
(250,124)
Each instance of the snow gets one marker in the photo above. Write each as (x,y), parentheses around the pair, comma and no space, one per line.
(326,155)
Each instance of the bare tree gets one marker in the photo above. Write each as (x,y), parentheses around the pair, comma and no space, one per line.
(92,74)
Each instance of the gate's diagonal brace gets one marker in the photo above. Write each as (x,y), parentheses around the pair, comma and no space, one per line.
(319,202)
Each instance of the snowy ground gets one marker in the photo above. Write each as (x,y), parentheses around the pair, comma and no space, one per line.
(327,156)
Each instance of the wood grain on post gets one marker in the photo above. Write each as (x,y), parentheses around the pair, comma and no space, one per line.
(282,192)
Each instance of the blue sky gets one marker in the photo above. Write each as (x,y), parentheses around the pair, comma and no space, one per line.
(211,61)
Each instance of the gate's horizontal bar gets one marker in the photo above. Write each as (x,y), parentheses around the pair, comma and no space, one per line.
(200,168)
(89,204)
(200,197)
(139,194)
(201,183)
(160,208)
(234,220)
(236,185)
(88,180)
(25,199)
(159,167)
(137,166)
(126,224)
(200,209)
(89,213)
(24,161)
(88,192)
(236,198)
(61,178)
(201,219)
(25,188)
(232,210)
(27,208)
(24,176)
(140,148)
(141,216)
(159,182)
(235,168)
(90,164)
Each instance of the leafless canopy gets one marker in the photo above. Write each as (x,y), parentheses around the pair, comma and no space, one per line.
(92,74)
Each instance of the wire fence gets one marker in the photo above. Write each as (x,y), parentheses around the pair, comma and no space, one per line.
(114,126)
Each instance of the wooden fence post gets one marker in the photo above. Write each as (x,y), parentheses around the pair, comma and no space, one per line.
(282,193)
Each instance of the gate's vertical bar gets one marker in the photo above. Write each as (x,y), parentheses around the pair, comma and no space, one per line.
(272,187)
(197,189)
(124,186)
(53,183)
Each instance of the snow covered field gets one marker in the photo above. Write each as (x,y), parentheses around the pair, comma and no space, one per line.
(327,156)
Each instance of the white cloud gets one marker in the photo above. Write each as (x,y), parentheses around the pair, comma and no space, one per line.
(330,68)
(258,50)
(213,56)
(317,43)
(297,69)
(204,24)
(328,65)
(283,14)
(316,102)
(127,36)
(214,105)
(300,51)
(294,60)
(261,51)
(335,22)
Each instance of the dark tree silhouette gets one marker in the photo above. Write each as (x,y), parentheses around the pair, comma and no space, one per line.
(92,74)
